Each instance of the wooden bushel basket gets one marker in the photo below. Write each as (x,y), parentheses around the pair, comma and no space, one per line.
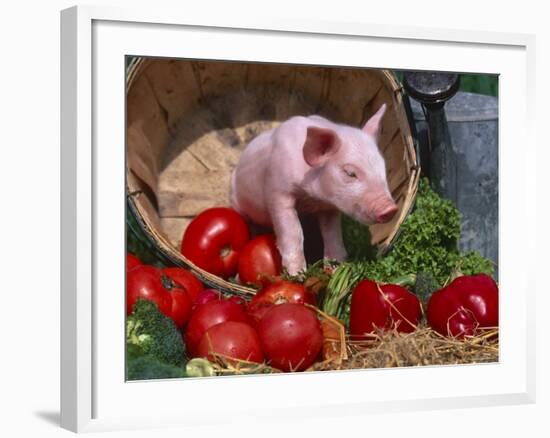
(188,121)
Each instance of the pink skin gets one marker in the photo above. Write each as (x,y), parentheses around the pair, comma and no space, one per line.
(309,164)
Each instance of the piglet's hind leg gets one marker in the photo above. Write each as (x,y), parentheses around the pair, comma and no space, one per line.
(331,229)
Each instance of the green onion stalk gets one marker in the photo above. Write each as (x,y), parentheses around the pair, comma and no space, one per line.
(343,281)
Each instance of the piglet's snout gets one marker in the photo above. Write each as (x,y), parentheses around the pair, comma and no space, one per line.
(386,214)
(381,207)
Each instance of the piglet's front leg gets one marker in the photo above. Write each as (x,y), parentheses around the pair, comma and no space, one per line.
(330,224)
(290,237)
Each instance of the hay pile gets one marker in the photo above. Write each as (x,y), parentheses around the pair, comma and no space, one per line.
(388,349)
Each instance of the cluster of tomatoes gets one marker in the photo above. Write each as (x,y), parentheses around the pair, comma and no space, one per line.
(276,326)
(218,241)
(279,325)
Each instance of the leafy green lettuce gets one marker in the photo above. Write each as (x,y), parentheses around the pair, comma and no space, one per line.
(428,242)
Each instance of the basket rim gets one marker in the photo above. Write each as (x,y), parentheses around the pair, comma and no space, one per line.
(170,252)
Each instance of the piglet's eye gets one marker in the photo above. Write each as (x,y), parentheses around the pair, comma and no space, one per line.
(350,173)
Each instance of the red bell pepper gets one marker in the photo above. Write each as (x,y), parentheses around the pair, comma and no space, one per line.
(467,304)
(384,306)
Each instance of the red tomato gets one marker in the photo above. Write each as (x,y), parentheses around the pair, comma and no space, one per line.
(383,306)
(212,294)
(131,262)
(291,336)
(280,292)
(259,259)
(233,339)
(214,239)
(145,282)
(184,280)
(207,295)
(468,303)
(181,307)
(238,300)
(207,315)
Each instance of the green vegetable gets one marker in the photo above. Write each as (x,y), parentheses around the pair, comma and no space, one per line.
(425,285)
(344,279)
(138,244)
(428,242)
(154,333)
(141,366)
(199,367)
(474,263)
(357,240)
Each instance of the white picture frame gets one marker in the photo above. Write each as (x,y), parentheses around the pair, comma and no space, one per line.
(94,396)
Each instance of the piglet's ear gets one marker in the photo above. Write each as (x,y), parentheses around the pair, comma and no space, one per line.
(372,127)
(320,145)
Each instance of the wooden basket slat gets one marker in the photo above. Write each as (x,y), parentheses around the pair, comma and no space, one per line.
(272,87)
(175,87)
(390,124)
(146,117)
(141,160)
(360,87)
(307,91)
(141,194)
(215,78)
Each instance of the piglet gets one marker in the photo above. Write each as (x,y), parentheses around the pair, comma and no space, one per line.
(312,165)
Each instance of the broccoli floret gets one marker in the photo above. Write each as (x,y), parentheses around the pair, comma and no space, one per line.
(357,239)
(147,367)
(154,333)
(425,285)
(141,366)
